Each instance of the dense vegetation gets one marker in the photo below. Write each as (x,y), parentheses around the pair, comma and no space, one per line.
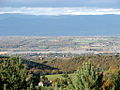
(14,75)
(70,65)
(89,77)
(94,73)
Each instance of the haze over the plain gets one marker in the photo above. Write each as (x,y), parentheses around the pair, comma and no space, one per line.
(59,17)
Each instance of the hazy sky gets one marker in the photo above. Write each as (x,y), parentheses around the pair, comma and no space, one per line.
(25,21)
(63,3)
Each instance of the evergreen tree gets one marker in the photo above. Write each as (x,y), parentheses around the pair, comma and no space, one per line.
(85,78)
(116,81)
(13,74)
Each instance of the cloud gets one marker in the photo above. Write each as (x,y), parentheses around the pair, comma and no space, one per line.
(59,11)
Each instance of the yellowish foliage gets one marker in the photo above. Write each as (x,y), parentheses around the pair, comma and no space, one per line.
(107,84)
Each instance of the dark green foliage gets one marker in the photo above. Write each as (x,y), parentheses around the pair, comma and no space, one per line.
(34,87)
(61,83)
(37,88)
(65,75)
(116,81)
(13,74)
(85,78)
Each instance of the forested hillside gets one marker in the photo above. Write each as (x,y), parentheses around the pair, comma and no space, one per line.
(87,73)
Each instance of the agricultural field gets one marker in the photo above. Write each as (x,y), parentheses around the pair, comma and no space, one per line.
(64,44)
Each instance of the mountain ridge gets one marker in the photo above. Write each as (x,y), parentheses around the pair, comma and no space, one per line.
(84,25)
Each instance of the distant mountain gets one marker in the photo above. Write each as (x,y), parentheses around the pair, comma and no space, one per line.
(59,25)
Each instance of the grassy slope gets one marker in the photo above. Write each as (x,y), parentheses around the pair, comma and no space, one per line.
(53,77)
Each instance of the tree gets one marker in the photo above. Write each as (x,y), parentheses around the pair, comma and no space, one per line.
(85,78)
(116,81)
(13,74)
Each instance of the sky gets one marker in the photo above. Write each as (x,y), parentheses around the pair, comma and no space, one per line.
(60,7)
(63,16)
(61,3)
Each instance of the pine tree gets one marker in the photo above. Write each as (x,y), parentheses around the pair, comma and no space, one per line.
(116,81)
(13,73)
(85,78)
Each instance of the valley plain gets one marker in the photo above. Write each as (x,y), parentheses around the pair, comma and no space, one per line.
(61,44)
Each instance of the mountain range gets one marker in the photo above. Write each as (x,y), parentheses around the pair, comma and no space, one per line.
(81,25)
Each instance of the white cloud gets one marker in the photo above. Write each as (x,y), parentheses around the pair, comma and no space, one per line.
(59,11)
